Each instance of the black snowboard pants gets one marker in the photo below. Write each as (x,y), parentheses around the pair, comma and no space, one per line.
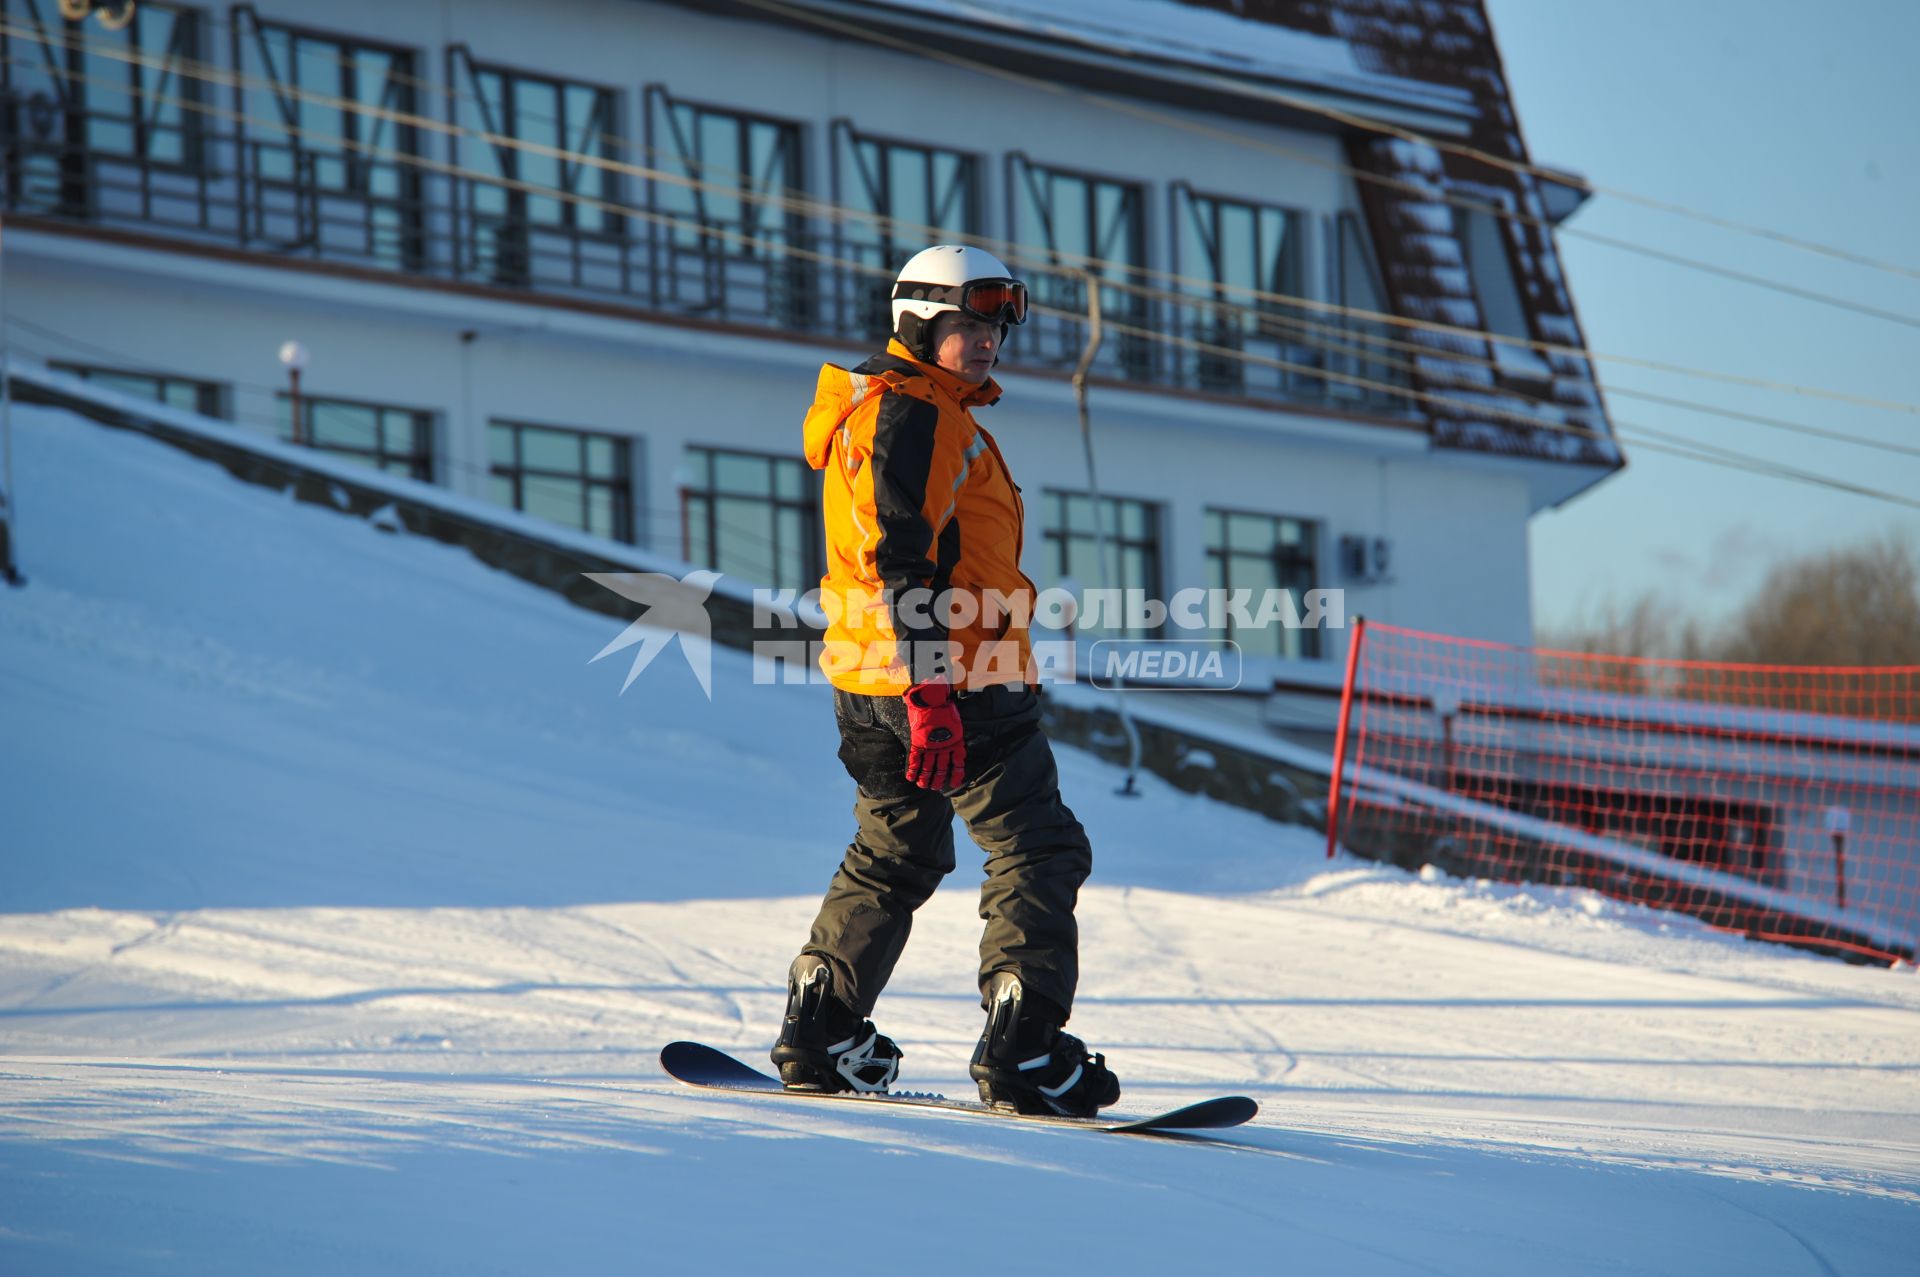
(1037,853)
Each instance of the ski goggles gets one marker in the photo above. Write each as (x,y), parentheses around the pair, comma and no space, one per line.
(998,301)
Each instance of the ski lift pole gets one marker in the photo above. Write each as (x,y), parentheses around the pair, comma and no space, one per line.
(9,511)
(1110,568)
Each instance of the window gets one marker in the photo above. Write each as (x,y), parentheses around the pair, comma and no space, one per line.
(204,397)
(575,477)
(90,120)
(1241,249)
(1085,223)
(316,140)
(1258,553)
(925,196)
(725,250)
(755,516)
(1364,356)
(396,440)
(1133,535)
(1483,241)
(513,235)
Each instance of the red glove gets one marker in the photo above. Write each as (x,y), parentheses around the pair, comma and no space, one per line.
(937,757)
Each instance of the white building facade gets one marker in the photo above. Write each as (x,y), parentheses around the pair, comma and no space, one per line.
(585,257)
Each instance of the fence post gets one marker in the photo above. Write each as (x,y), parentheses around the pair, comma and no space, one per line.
(1340,734)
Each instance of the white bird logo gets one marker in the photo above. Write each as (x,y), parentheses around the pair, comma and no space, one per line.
(673,607)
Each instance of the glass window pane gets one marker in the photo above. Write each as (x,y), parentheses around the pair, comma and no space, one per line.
(791,570)
(745,533)
(1083,563)
(407,432)
(793,547)
(550,449)
(859,174)
(909,181)
(1238,262)
(600,512)
(106,85)
(342,425)
(1195,230)
(128,383)
(718,149)
(738,474)
(537,120)
(699,466)
(789,481)
(500,444)
(1276,232)
(953,192)
(1250,532)
(771,162)
(500,490)
(1255,571)
(1029,215)
(560,500)
(584,112)
(605,458)
(1071,233)
(320,74)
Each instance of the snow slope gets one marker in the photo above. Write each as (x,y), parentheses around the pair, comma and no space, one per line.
(347,904)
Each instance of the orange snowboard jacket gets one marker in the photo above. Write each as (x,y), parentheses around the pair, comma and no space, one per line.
(923,529)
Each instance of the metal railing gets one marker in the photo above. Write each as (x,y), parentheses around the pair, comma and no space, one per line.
(282,198)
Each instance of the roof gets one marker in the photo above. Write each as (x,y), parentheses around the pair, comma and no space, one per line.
(1378,59)
(1170,33)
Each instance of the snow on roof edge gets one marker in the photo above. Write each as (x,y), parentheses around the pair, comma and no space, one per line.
(1203,39)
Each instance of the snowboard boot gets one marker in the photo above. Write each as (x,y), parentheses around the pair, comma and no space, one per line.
(823,1045)
(1026,1064)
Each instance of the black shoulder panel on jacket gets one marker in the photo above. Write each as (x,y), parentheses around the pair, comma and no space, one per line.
(903,442)
(884,362)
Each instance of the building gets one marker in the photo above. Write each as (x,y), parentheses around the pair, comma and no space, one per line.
(583,258)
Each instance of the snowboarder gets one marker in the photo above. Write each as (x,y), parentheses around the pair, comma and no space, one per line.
(937,708)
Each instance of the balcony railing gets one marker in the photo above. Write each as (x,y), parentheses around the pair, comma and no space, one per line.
(775,271)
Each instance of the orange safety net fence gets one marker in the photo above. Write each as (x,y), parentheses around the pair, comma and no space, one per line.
(1779,801)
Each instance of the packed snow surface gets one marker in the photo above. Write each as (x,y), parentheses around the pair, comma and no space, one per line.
(348,904)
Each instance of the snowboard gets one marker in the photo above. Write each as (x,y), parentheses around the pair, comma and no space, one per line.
(703,1066)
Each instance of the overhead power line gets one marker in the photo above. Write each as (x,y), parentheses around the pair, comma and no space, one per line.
(1442,197)
(746,240)
(1293,102)
(1033,255)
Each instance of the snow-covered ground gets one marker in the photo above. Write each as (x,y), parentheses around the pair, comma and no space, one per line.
(347,905)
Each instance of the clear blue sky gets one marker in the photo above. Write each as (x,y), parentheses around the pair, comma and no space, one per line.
(1801,118)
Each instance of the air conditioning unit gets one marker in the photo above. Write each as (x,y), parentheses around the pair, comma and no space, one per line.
(1366,560)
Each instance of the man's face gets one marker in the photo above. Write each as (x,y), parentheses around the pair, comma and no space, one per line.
(965,346)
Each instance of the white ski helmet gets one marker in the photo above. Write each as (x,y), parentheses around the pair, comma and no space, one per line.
(950,277)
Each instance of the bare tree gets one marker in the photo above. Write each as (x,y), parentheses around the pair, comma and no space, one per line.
(1855,605)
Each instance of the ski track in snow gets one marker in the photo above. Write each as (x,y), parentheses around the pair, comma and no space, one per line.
(347,907)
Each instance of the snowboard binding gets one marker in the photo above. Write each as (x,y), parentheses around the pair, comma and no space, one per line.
(824,1045)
